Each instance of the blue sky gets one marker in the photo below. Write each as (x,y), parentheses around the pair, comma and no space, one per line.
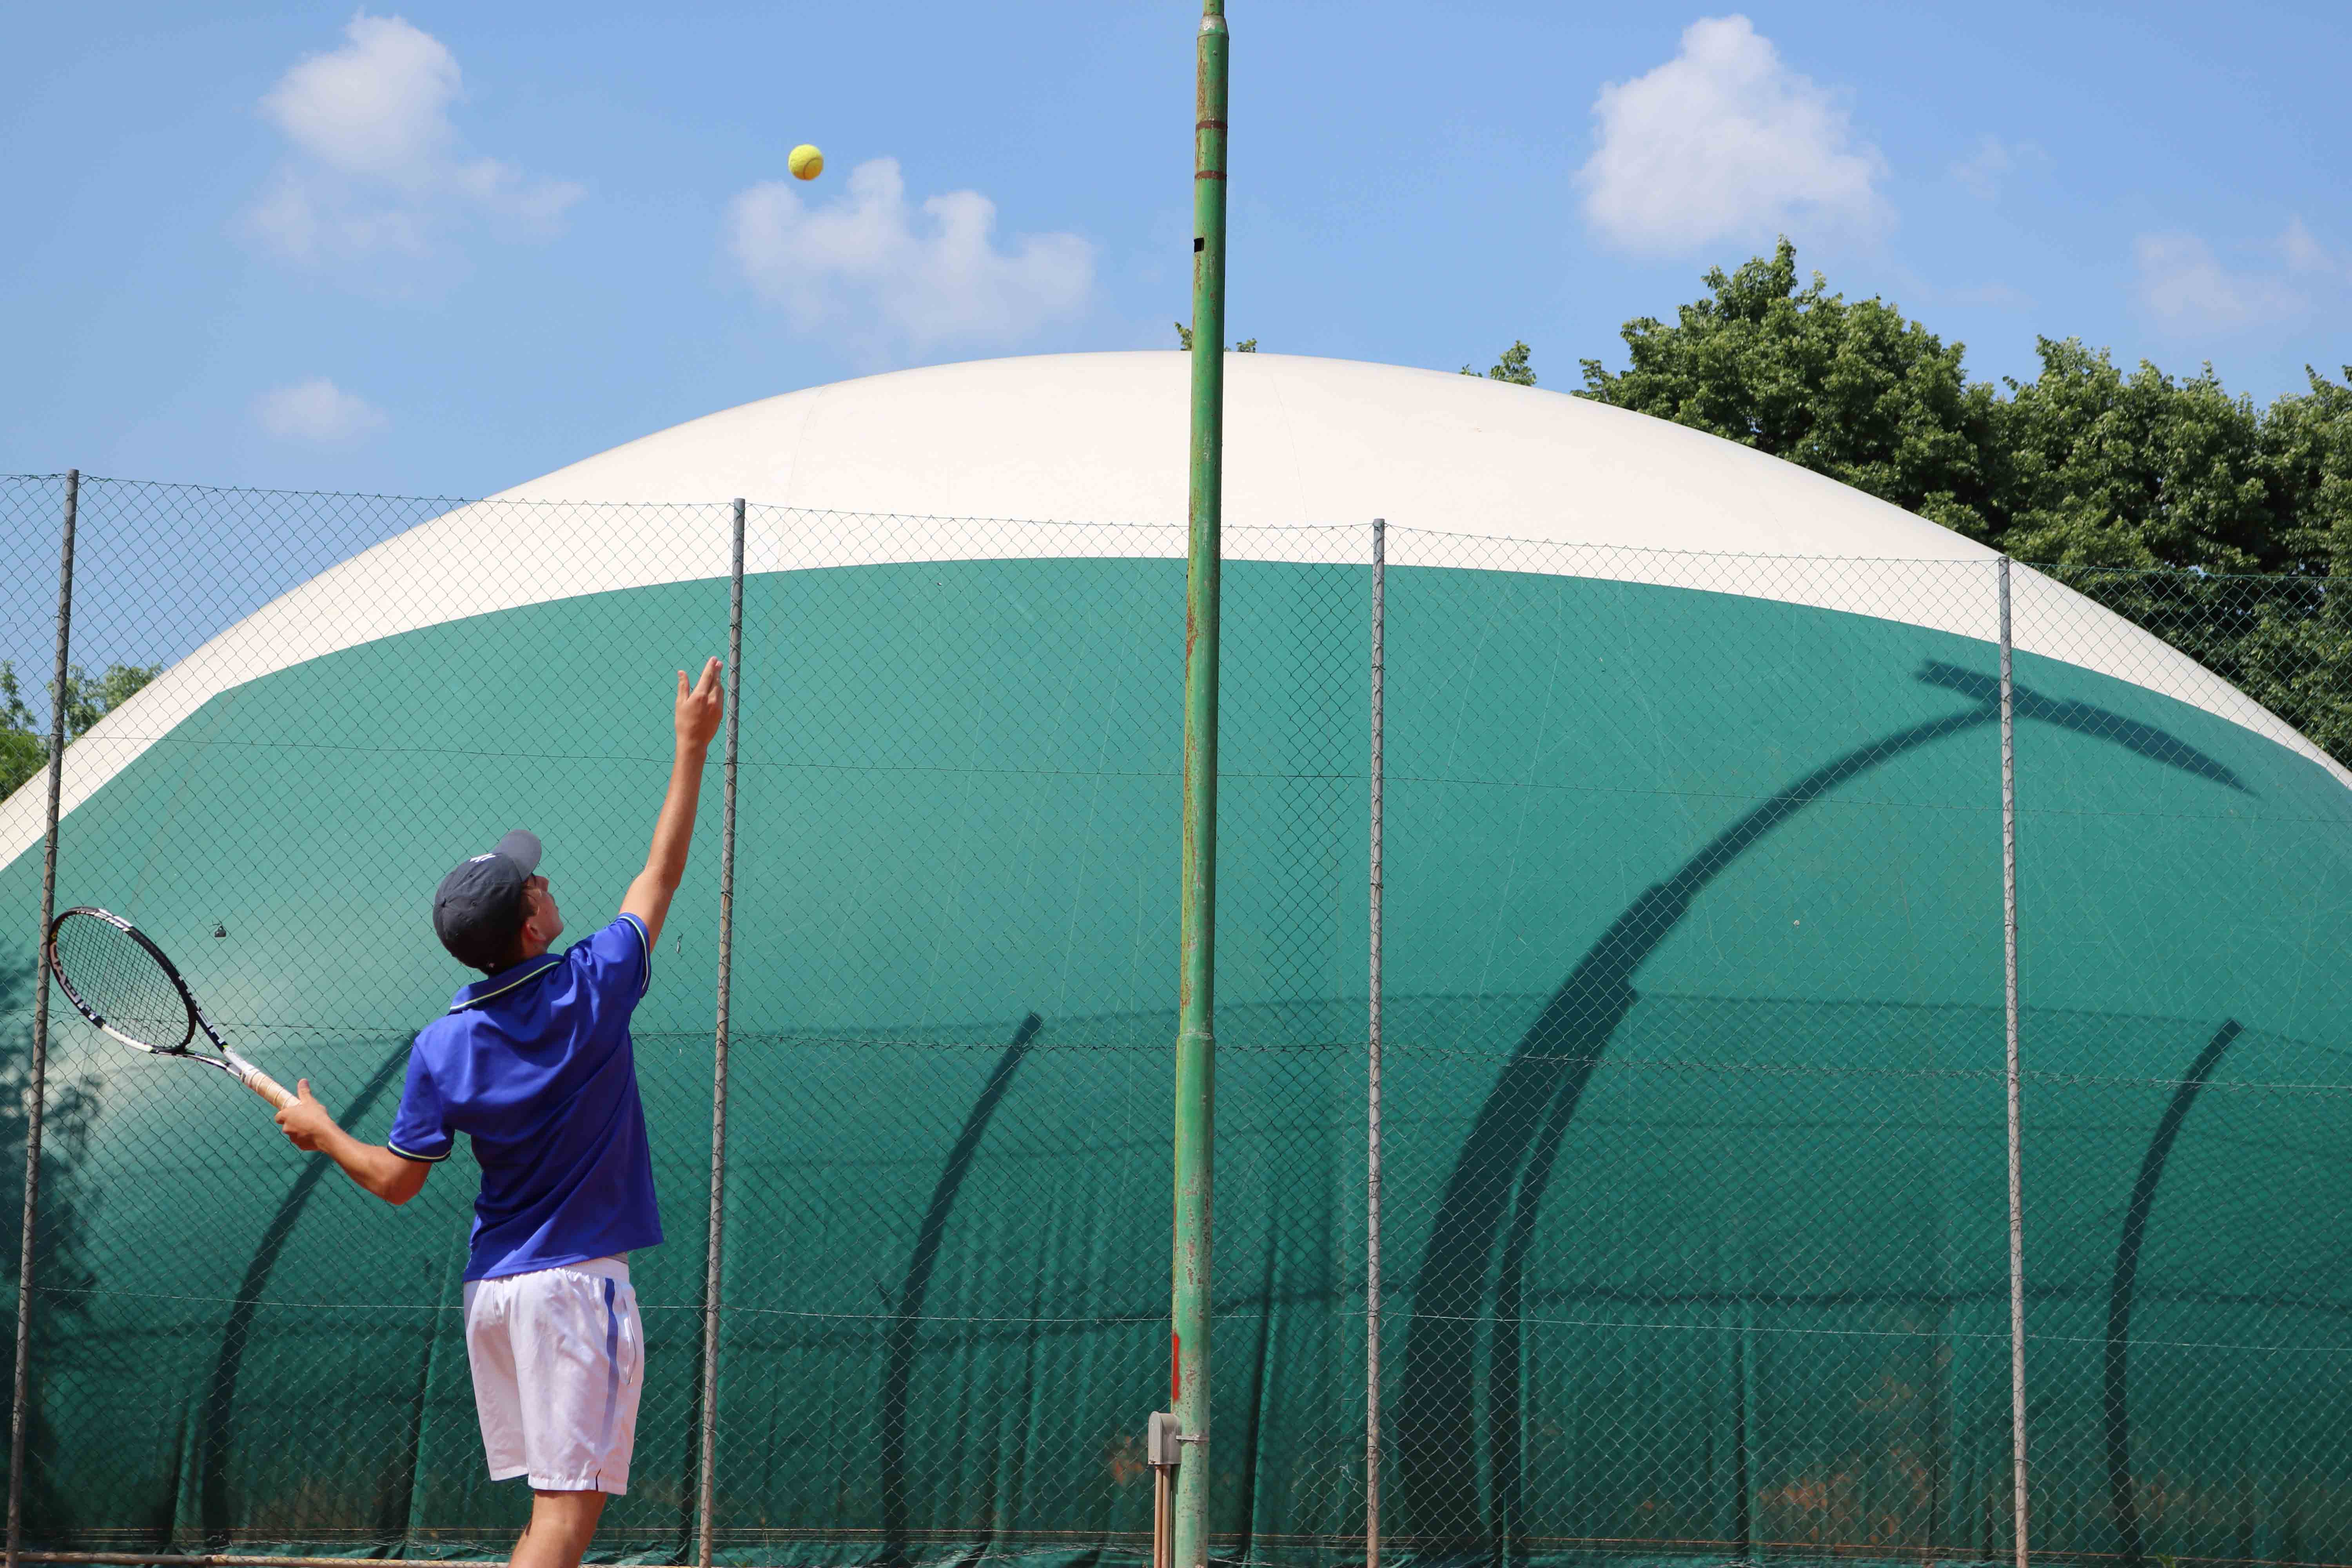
(445,247)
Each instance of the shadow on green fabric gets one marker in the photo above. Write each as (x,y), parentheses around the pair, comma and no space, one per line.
(899,1364)
(65,1274)
(2140,739)
(1496,1188)
(220,1398)
(2133,1549)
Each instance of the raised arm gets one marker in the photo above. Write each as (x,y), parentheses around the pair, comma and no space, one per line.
(697,718)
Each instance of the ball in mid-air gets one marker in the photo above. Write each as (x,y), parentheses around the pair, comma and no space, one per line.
(806,163)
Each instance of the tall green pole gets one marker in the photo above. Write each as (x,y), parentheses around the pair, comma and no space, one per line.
(1196,1045)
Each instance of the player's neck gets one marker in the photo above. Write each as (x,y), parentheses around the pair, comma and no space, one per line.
(531,948)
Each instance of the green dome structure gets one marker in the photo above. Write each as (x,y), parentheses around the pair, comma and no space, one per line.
(1695,1206)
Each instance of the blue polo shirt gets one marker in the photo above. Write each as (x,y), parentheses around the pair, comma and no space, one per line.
(535,1064)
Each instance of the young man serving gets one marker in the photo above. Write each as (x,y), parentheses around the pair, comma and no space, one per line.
(534,1063)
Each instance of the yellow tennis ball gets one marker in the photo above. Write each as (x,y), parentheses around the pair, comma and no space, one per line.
(806,163)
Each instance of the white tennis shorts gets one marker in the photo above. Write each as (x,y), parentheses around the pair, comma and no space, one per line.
(559,1359)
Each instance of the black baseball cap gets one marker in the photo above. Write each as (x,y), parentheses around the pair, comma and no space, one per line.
(477,909)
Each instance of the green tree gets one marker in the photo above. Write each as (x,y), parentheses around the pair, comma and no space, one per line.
(1185,341)
(24,748)
(2213,525)
(2108,469)
(22,751)
(1513,366)
(2219,526)
(90,698)
(1852,390)
(2306,454)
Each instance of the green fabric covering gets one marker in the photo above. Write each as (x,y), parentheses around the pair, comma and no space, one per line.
(1696,1230)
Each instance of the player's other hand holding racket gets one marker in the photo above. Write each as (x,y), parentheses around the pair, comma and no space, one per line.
(306,1124)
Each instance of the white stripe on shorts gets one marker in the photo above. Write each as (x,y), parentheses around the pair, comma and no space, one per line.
(558,1358)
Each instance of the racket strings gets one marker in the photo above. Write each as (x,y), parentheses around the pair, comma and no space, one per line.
(120,980)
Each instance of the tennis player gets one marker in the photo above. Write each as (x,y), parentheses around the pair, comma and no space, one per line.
(534,1063)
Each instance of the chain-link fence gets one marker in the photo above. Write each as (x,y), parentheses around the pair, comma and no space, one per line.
(1695,1214)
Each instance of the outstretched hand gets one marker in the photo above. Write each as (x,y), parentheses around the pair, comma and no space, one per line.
(700,708)
(306,1123)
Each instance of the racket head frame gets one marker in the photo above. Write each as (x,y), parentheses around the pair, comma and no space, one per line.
(228,1061)
(82,1004)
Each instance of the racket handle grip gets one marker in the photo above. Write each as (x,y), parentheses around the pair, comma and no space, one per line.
(270,1088)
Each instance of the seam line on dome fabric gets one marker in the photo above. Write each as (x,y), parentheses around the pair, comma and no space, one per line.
(176,739)
(2332,1309)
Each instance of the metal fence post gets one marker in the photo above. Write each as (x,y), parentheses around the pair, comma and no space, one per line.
(36,1071)
(708,1487)
(1190,1307)
(1373,1112)
(2009,1005)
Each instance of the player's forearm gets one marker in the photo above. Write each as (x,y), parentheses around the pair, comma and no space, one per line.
(374,1167)
(674,829)
(697,717)
(650,896)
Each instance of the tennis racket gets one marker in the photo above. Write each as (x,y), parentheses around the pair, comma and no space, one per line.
(121,982)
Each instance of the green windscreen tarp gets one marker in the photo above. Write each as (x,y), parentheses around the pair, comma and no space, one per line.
(1694,1200)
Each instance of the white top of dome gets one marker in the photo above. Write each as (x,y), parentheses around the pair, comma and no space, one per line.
(1100,437)
(933,461)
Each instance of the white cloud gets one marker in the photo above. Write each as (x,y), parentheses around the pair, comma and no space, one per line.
(379,106)
(1725,142)
(2184,285)
(2187,288)
(870,267)
(317,410)
(375,165)
(1983,171)
(2303,254)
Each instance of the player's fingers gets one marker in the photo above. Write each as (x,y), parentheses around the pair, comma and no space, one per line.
(681,686)
(302,1090)
(708,685)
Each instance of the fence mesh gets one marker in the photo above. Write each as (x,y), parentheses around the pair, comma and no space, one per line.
(1695,1210)
(1696,1193)
(2185,1133)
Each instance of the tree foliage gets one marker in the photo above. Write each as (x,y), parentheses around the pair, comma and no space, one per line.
(1185,341)
(2086,465)
(2109,475)
(1515,366)
(1852,390)
(25,743)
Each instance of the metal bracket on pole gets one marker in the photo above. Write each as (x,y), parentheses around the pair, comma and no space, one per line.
(1161,1438)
